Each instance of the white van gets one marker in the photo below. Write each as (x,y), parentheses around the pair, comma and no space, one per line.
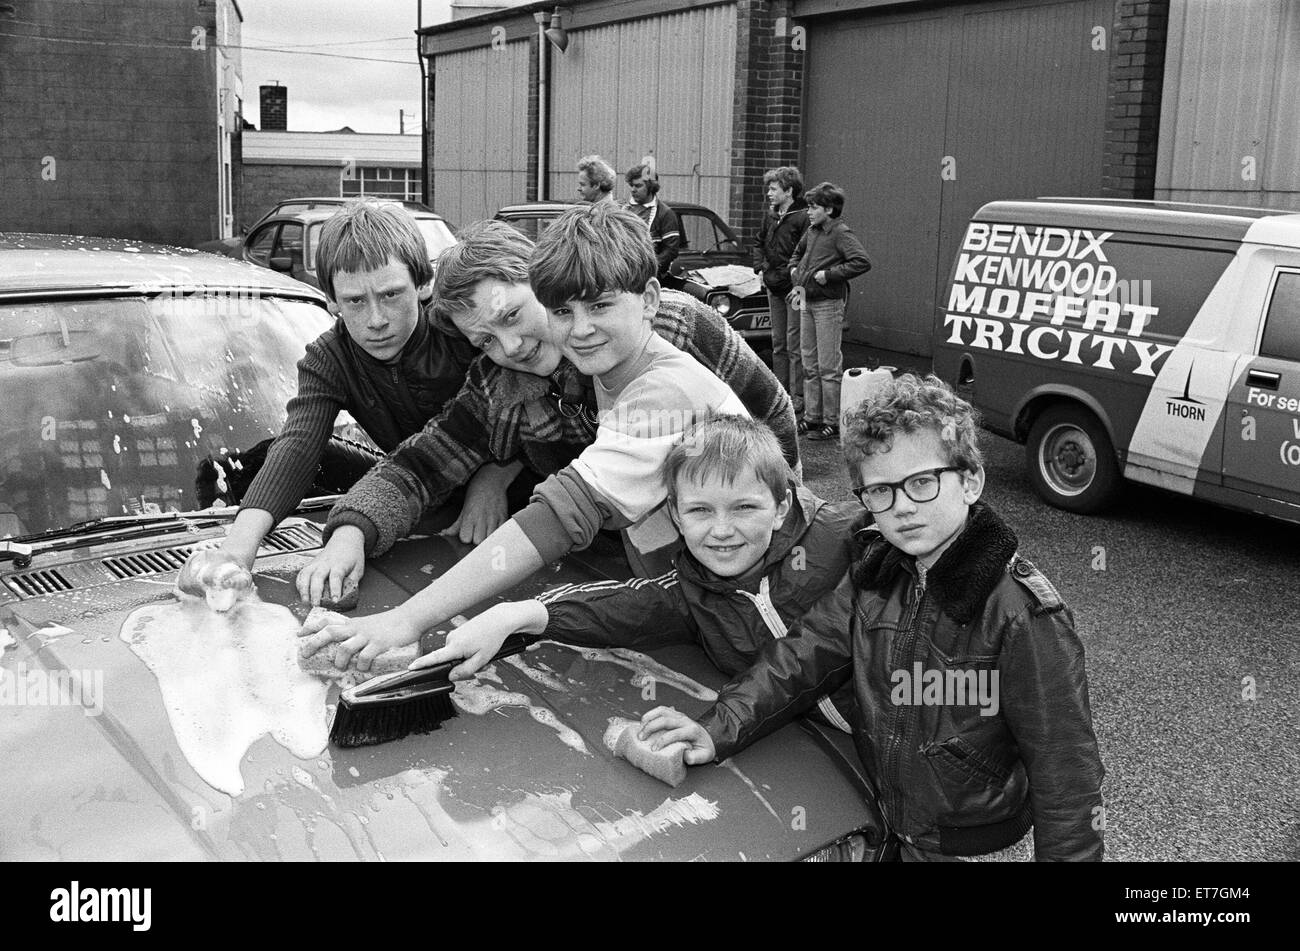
(1152,341)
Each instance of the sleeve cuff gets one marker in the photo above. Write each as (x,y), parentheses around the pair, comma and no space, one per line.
(351,517)
(542,526)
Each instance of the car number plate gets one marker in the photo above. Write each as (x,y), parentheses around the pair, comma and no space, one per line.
(761,320)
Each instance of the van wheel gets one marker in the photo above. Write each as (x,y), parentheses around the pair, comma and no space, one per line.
(1071,460)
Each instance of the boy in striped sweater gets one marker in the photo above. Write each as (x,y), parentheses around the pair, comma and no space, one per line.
(593,271)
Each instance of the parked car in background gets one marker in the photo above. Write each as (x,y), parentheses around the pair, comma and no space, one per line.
(136,726)
(286,241)
(714,265)
(289,205)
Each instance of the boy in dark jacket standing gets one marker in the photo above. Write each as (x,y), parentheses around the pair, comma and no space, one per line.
(759,551)
(782,228)
(827,257)
(972,699)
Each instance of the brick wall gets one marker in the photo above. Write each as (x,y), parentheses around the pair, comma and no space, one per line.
(273,108)
(1137,69)
(129,132)
(261,186)
(534,109)
(768,99)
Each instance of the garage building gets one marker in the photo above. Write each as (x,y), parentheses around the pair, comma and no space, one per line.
(922,110)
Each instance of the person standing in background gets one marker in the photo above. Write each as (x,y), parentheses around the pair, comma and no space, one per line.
(827,257)
(783,226)
(595,179)
(665,228)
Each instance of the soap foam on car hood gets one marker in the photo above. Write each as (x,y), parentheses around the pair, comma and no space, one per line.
(227,680)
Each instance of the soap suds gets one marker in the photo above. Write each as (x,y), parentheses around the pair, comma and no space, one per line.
(227,680)
(645,670)
(477,699)
(536,674)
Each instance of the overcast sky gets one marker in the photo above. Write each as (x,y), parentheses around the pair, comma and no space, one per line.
(331,92)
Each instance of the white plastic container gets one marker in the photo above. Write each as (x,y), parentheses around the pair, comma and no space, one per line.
(859,383)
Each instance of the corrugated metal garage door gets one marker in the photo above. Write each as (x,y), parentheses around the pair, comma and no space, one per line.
(1229,126)
(661,85)
(480,131)
(1015,98)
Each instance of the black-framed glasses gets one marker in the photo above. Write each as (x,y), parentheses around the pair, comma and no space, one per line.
(920,486)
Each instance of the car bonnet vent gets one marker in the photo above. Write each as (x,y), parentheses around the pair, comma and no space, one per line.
(33,584)
(293,538)
(147,562)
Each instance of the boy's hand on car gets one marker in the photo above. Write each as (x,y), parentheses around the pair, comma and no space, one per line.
(360,639)
(336,569)
(485,506)
(478,639)
(216,576)
(664,725)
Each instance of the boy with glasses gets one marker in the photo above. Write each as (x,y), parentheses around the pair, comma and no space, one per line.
(972,707)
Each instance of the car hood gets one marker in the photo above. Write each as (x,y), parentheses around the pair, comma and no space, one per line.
(95,768)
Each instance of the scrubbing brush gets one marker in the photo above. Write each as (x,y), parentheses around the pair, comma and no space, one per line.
(395,705)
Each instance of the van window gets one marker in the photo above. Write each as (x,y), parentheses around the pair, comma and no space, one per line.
(1282,325)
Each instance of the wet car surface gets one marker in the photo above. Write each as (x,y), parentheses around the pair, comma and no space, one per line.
(139,726)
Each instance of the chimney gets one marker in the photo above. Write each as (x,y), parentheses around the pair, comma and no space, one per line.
(275,108)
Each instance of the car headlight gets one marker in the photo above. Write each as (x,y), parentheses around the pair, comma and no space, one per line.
(854,847)
(722,303)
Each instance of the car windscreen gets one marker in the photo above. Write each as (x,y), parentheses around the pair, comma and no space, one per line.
(436,235)
(531,226)
(110,404)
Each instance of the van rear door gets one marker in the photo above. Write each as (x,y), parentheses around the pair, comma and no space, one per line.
(1261,451)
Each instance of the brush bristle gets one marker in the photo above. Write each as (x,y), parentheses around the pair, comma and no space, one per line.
(382,723)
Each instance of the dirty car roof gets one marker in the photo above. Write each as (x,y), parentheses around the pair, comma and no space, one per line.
(70,263)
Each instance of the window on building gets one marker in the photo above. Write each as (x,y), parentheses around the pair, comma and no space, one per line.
(1282,326)
(402,184)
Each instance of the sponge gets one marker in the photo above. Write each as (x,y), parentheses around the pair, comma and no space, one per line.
(666,765)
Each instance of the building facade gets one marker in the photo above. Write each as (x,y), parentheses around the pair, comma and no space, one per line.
(278,165)
(923,110)
(117,117)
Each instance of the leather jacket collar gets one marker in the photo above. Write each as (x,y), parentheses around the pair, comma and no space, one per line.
(963,577)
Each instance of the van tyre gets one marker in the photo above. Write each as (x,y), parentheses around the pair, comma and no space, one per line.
(1071,460)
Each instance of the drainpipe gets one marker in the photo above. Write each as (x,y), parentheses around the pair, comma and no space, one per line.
(424,104)
(543,72)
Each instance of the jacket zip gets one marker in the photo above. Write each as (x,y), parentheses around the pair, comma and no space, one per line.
(767,611)
(904,648)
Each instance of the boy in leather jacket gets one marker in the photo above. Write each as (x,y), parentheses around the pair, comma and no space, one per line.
(972,706)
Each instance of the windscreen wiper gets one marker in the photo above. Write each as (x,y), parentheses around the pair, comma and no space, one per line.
(20,550)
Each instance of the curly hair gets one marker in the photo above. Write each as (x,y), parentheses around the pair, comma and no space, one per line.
(909,404)
(599,172)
